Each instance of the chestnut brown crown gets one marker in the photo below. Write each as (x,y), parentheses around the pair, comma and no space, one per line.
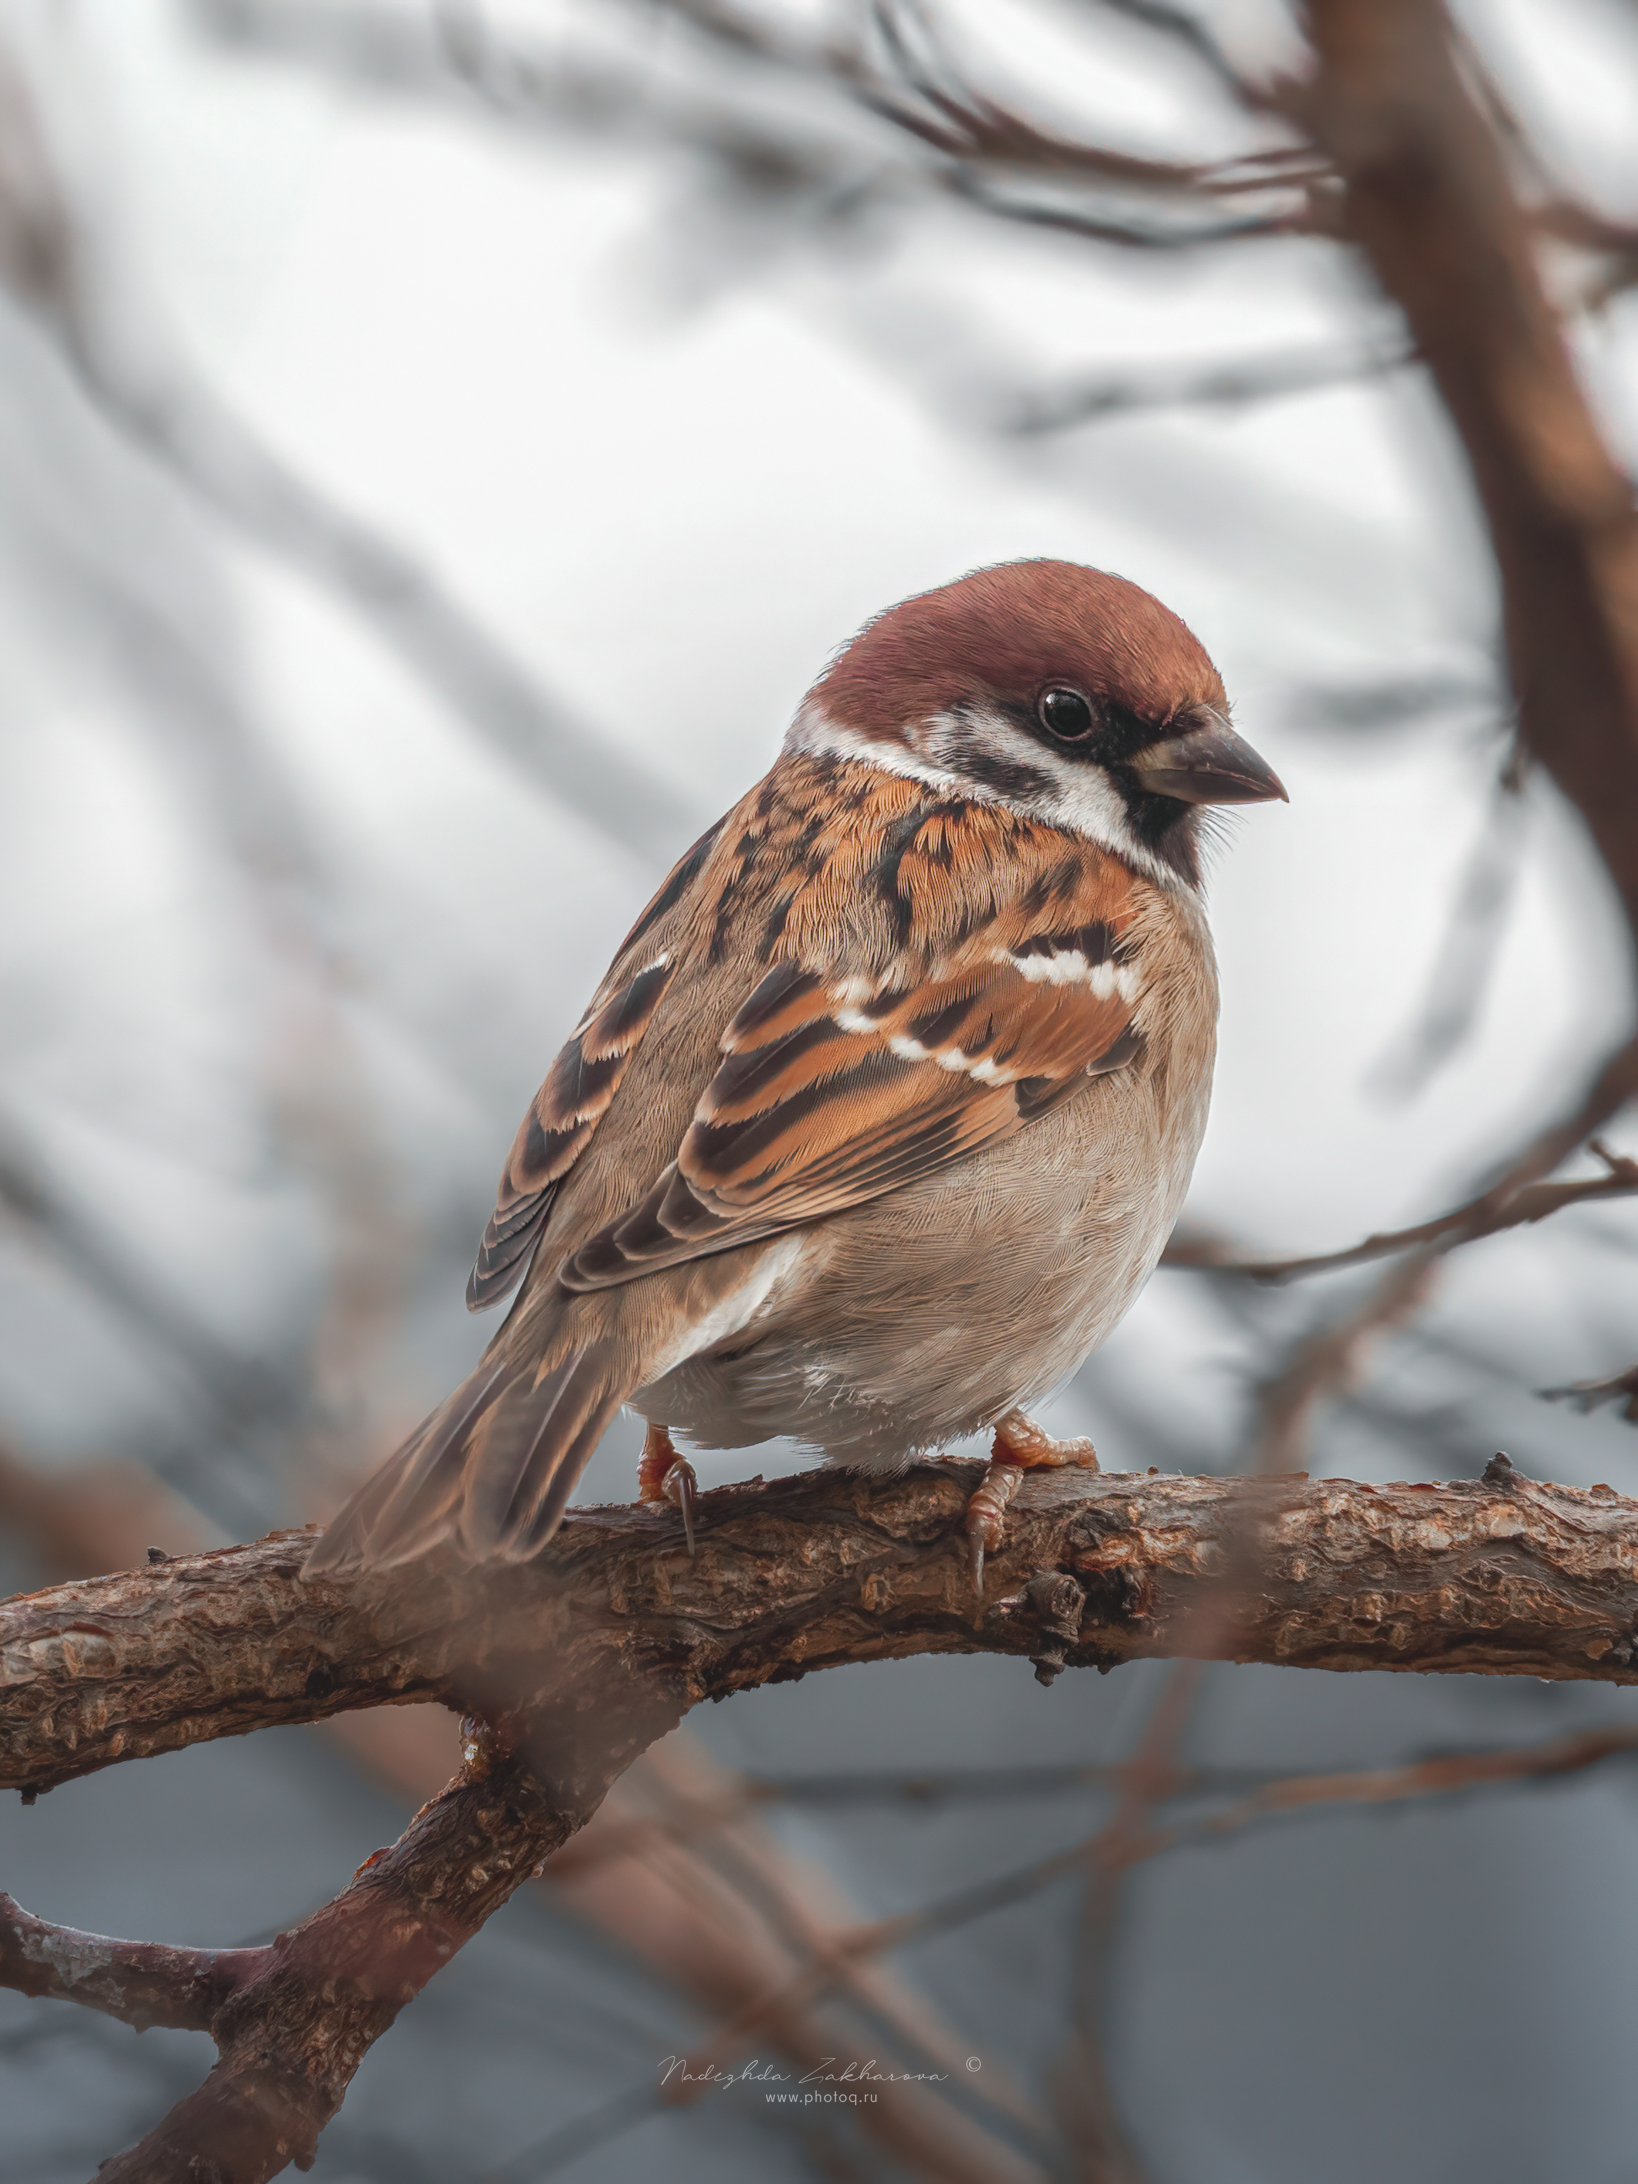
(1006,633)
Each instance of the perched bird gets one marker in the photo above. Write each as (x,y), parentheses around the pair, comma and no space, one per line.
(888,1103)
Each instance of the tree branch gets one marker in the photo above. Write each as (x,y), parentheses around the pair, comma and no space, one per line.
(1448,1775)
(142,1983)
(1464,1224)
(1427,196)
(303,2012)
(1589,1395)
(673,1866)
(1501,1576)
(1193,383)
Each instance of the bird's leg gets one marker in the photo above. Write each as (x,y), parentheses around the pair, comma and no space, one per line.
(986,1514)
(663,1475)
(1020,1445)
(656,1460)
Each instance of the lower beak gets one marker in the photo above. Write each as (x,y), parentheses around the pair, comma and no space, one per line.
(1208,764)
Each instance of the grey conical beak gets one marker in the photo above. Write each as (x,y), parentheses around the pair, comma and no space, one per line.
(1208,764)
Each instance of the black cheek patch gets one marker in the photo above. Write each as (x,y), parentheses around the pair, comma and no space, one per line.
(1012,778)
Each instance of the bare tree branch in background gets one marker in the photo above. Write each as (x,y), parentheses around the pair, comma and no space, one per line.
(943,137)
(1427,198)
(1589,1395)
(1190,384)
(220,460)
(1489,1214)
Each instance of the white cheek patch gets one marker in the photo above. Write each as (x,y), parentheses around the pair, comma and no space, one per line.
(1080,798)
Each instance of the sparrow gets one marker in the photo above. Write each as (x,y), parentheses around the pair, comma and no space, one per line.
(889,1100)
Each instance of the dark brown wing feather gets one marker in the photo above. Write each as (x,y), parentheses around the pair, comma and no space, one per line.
(561,1117)
(829,1093)
(575,1097)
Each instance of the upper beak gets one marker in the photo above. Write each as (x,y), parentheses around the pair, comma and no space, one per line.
(1208,764)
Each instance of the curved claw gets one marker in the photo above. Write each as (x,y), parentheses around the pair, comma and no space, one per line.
(681,1489)
(986,1517)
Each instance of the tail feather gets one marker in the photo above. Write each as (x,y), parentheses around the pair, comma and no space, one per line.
(527,1451)
(492,1469)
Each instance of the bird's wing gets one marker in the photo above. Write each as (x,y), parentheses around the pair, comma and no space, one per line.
(578,1089)
(836,1087)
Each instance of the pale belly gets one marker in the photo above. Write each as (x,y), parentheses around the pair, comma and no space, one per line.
(924,1316)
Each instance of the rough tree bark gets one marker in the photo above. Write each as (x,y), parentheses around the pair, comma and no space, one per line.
(1499,1576)
(580,1660)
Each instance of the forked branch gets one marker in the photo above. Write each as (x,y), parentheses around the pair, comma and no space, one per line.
(581,1660)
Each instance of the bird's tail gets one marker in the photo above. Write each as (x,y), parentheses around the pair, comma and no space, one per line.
(491,1470)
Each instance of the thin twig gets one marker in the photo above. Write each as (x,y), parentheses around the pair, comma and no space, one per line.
(1328,1363)
(1478,1217)
(1191,383)
(1448,1775)
(1591,1395)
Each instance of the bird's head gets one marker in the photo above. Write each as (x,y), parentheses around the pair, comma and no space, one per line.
(1063,692)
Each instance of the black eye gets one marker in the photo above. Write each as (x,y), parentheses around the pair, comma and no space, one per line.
(1064,714)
